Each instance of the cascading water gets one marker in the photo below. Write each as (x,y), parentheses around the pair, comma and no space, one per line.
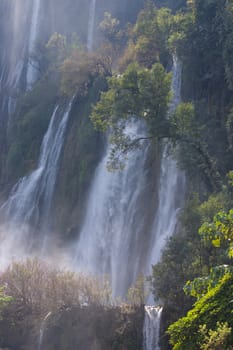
(32,67)
(110,238)
(42,329)
(172,184)
(12,56)
(171,196)
(19,37)
(30,200)
(91,25)
(152,327)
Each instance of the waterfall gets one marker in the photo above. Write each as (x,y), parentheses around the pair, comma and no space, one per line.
(151,327)
(32,67)
(170,200)
(30,200)
(91,25)
(110,238)
(172,183)
(13,51)
(42,329)
(19,33)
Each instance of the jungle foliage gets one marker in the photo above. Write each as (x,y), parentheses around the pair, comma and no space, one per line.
(194,277)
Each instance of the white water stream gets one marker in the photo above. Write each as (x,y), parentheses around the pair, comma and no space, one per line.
(91,25)
(30,200)
(32,67)
(170,200)
(152,327)
(109,242)
(171,184)
(42,329)
(19,37)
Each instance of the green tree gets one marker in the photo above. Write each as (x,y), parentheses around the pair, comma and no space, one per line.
(110,28)
(215,306)
(220,231)
(5,300)
(213,290)
(215,339)
(79,70)
(150,35)
(138,93)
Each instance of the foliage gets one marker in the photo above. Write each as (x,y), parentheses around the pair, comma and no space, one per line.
(39,288)
(183,122)
(171,273)
(138,92)
(148,37)
(181,25)
(185,255)
(79,70)
(56,49)
(214,306)
(202,285)
(215,339)
(215,203)
(220,231)
(43,296)
(110,28)
(113,41)
(5,300)
(175,5)
(199,35)
(213,290)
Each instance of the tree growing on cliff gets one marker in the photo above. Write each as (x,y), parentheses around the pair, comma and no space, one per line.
(208,325)
(139,93)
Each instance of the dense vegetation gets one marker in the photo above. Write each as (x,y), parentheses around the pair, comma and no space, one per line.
(128,75)
(201,35)
(37,297)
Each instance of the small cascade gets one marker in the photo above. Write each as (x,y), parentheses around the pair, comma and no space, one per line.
(32,67)
(30,200)
(42,329)
(110,240)
(151,327)
(171,184)
(170,200)
(12,58)
(91,25)
(171,196)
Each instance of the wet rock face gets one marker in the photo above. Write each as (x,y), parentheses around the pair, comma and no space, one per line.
(93,328)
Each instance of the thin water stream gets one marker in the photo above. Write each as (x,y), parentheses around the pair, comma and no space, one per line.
(91,25)
(30,200)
